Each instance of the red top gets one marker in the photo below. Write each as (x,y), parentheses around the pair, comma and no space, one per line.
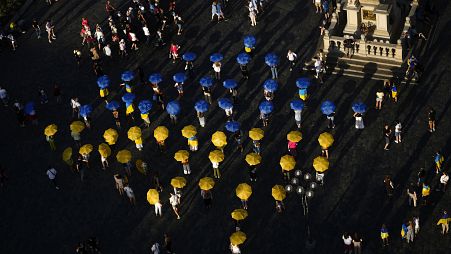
(174,49)
(292,145)
(84,22)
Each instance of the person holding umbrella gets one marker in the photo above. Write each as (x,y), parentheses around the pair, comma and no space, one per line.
(206,82)
(269,86)
(253,159)
(113,106)
(231,85)
(303,84)
(190,132)
(84,151)
(272,60)
(325,140)
(173,109)
(110,137)
(249,45)
(127,77)
(256,134)
(243,191)
(279,194)
(135,134)
(359,109)
(219,140)
(201,107)
(243,59)
(266,107)
(85,112)
(50,132)
(297,106)
(216,157)
(227,105)
(189,57)
(293,138)
(144,107)
(128,98)
(206,184)
(103,82)
(182,156)
(174,52)
(153,197)
(328,109)
(287,163)
(216,59)
(76,128)
(105,152)
(179,79)
(161,133)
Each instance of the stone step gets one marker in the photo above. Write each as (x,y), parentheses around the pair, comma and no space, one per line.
(363,75)
(367,68)
(365,60)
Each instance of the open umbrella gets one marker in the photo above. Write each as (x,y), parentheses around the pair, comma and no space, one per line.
(181,155)
(230,84)
(104,150)
(219,139)
(328,107)
(67,154)
(270,85)
(216,57)
(201,106)
(266,107)
(189,56)
(225,103)
(321,164)
(239,214)
(29,108)
(297,104)
(110,136)
(287,162)
(179,77)
(153,196)
(325,140)
(178,182)
(271,59)
(256,134)
(206,81)
(51,130)
(103,82)
(85,149)
(253,159)
(189,131)
(232,126)
(128,97)
(243,58)
(294,136)
(303,83)
(127,76)
(161,133)
(112,105)
(249,41)
(134,133)
(278,192)
(359,107)
(206,183)
(124,156)
(145,106)
(155,78)
(77,126)
(243,191)
(173,107)
(216,156)
(85,110)
(237,238)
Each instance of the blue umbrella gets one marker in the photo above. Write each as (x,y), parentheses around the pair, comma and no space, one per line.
(328,107)
(173,107)
(127,76)
(189,56)
(266,107)
(359,107)
(179,77)
(112,105)
(201,106)
(270,85)
(303,83)
(206,81)
(103,82)
(232,126)
(155,78)
(225,103)
(145,106)
(230,84)
(216,57)
(271,59)
(243,58)
(29,107)
(85,110)
(297,104)
(249,41)
(128,97)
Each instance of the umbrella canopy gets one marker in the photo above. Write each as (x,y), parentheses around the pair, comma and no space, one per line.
(189,56)
(127,76)
(145,106)
(110,136)
(232,126)
(325,140)
(253,159)
(243,191)
(297,104)
(29,108)
(216,156)
(328,107)
(128,97)
(216,57)
(225,103)
(359,107)
(270,85)
(266,107)
(294,136)
(181,155)
(230,84)
(189,131)
(173,107)
(201,106)
(321,164)
(178,182)
(153,196)
(179,77)
(77,126)
(219,139)
(278,192)
(112,105)
(85,110)
(256,134)
(206,183)
(239,214)
(249,41)
(303,83)
(237,238)
(51,130)
(124,156)
(85,149)
(161,133)
(206,81)
(271,59)
(103,82)
(134,133)
(155,78)
(243,58)
(67,154)
(104,150)
(287,162)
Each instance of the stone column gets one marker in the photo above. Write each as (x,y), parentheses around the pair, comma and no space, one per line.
(353,17)
(382,26)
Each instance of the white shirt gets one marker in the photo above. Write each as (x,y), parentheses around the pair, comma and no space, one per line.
(174,200)
(146,31)
(347,241)
(51,173)
(215,164)
(122,45)
(235,249)
(75,104)
(129,192)
(297,115)
(291,56)
(217,68)
(133,37)
(444,179)
(155,248)
(107,51)
(398,127)
(3,93)
(99,35)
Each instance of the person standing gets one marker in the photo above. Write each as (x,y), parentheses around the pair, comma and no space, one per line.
(331,118)
(51,140)
(398,129)
(51,173)
(357,242)
(207,196)
(119,181)
(50,28)
(425,192)
(291,58)
(444,222)
(431,119)
(298,118)
(175,202)
(444,181)
(384,235)
(253,17)
(216,172)
(416,222)
(412,193)
(347,240)
(36,28)
(389,186)
(438,159)
(410,234)
(109,8)
(155,248)
(158,207)
(217,69)
(130,194)
(387,134)
(359,121)
(244,72)
(274,72)
(75,107)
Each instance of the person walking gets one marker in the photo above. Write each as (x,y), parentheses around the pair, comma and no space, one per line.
(384,235)
(253,17)
(444,181)
(331,118)
(36,28)
(438,159)
(274,72)
(216,172)
(216,10)
(398,129)
(357,242)
(291,56)
(410,234)
(412,193)
(75,107)
(444,222)
(119,181)
(51,140)
(168,243)
(425,192)
(175,202)
(4,96)
(217,69)
(379,99)
(389,187)
(416,222)
(77,138)
(186,167)
(51,173)
(244,72)
(207,196)
(387,134)
(50,28)
(347,241)
(431,119)
(158,207)
(359,121)
(130,194)
(156,248)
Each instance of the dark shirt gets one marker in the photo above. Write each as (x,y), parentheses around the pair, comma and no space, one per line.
(387,132)
(431,115)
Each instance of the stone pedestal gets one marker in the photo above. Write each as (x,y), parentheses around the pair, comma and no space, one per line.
(382,25)
(353,17)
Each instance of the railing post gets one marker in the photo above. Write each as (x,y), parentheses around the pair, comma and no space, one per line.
(398,51)
(326,41)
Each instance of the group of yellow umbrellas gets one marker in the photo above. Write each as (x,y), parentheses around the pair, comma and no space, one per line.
(76,126)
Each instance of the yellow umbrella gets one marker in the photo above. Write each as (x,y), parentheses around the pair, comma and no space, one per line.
(50,130)
(134,133)
(237,238)
(86,149)
(294,136)
(110,136)
(206,183)
(161,133)
(181,155)
(287,162)
(124,156)
(67,154)
(239,214)
(219,139)
(325,140)
(253,159)
(216,156)
(278,192)
(256,134)
(77,126)
(104,150)
(243,191)
(153,196)
(321,164)
(189,131)
(178,182)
